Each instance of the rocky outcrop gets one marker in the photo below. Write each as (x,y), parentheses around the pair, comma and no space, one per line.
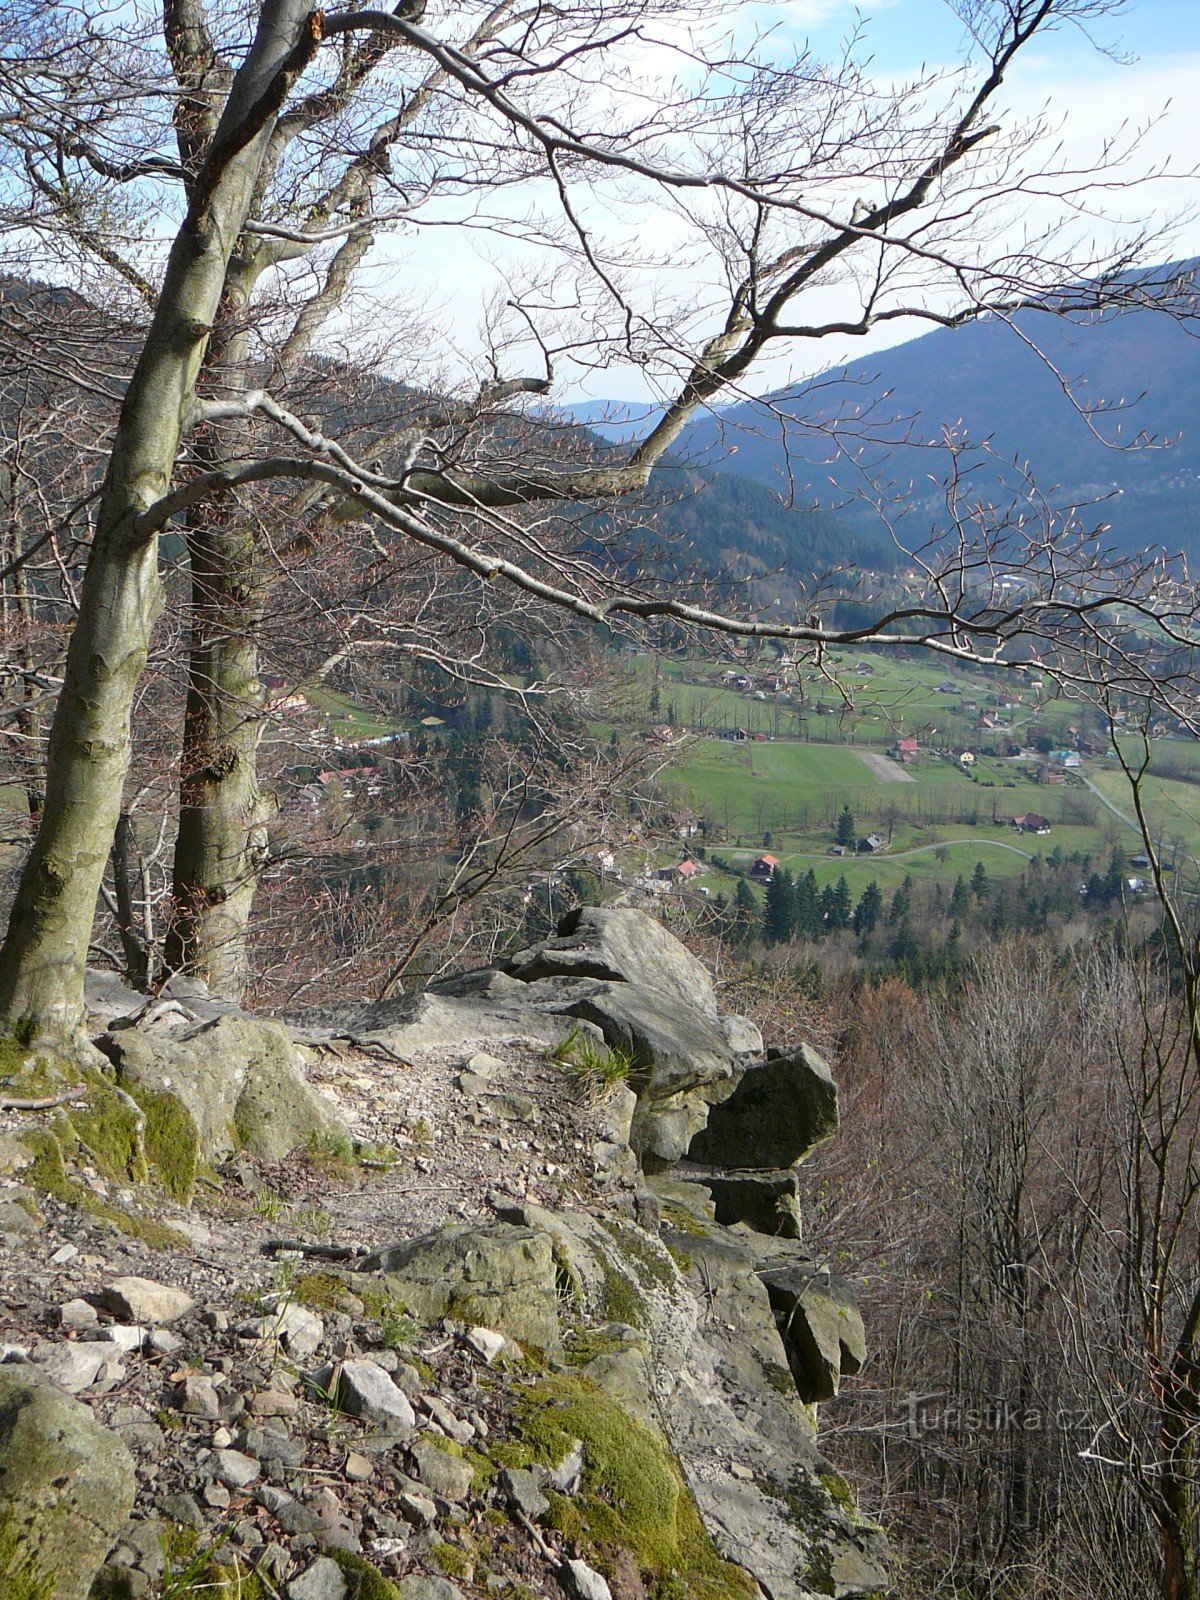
(66,1490)
(610,1387)
(779,1109)
(820,1323)
(615,971)
(240,1080)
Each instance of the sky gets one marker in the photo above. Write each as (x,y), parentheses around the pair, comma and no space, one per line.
(1147,71)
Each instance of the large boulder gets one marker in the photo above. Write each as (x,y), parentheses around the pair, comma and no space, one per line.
(496,1275)
(66,1489)
(619,945)
(240,1079)
(778,1111)
(651,998)
(820,1324)
(616,1274)
(767,1202)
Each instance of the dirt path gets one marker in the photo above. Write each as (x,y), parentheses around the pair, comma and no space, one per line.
(890,771)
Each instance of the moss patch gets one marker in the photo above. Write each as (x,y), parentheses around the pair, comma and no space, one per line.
(634,1496)
(452,1559)
(838,1490)
(48,1175)
(322,1291)
(683,1221)
(366,1581)
(19,1578)
(585,1344)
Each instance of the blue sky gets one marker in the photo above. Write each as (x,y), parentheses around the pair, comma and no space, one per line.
(1084,94)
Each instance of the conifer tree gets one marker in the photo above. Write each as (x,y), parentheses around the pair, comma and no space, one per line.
(868,909)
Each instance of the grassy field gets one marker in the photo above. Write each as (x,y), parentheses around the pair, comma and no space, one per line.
(899,696)
(786,796)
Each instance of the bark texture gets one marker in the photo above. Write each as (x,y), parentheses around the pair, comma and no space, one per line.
(45,953)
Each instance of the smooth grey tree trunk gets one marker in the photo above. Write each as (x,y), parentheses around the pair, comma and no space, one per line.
(45,953)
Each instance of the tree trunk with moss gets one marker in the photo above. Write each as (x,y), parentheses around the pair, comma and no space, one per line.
(45,953)
(223,815)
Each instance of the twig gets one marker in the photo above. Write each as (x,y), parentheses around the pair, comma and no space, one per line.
(67,1097)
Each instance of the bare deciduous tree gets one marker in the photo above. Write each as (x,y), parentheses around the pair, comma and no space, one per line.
(780,174)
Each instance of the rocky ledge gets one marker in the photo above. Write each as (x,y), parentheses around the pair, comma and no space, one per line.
(497,1289)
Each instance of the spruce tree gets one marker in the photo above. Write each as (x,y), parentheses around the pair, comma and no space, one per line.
(845,827)
(779,909)
(866,912)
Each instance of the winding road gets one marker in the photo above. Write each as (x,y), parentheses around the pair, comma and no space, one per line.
(901,855)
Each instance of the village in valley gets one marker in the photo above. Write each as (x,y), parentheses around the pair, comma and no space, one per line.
(936,771)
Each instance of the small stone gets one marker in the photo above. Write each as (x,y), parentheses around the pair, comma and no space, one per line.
(473,1083)
(127,1339)
(421,1586)
(584,1582)
(739,1470)
(324,1580)
(278,1449)
(182,1510)
(522,1489)
(297,1329)
(417,1508)
(440,1412)
(236,1470)
(63,1254)
(567,1476)
(298,1520)
(78,1314)
(77,1366)
(273,1403)
(357,1468)
(198,1398)
(486,1342)
(143,1300)
(15,1219)
(408,1379)
(274,1498)
(164,1341)
(146,1541)
(440,1472)
(15,1154)
(217,1496)
(485,1065)
(509,1107)
(363,1389)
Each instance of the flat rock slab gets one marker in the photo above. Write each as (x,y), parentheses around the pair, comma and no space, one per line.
(142,1300)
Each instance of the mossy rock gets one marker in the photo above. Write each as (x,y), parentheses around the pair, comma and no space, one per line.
(633,1496)
(48,1175)
(496,1275)
(66,1490)
(241,1080)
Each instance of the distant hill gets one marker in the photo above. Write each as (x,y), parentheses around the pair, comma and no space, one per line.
(986,381)
(725,525)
